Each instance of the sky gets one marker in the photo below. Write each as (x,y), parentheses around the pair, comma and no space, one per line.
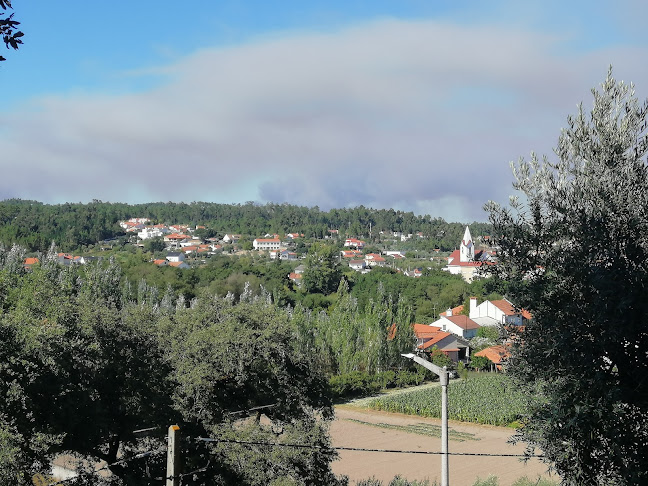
(415,105)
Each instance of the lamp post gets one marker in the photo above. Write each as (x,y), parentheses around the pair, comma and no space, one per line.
(442,373)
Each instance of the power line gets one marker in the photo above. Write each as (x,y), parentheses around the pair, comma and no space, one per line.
(361,449)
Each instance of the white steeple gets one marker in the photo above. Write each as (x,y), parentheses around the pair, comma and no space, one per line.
(467,249)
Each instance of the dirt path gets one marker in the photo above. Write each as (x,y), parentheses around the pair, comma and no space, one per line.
(352,428)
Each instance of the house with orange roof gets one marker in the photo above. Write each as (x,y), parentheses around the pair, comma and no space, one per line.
(424,332)
(354,243)
(415,272)
(178,264)
(134,224)
(374,260)
(461,325)
(498,355)
(161,263)
(455,311)
(30,262)
(296,277)
(175,239)
(453,346)
(266,244)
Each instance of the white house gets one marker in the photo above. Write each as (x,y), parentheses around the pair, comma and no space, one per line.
(149,232)
(354,243)
(175,257)
(266,244)
(497,312)
(231,238)
(459,325)
(283,255)
(357,265)
(374,260)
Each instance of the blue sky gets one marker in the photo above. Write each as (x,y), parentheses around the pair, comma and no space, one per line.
(411,104)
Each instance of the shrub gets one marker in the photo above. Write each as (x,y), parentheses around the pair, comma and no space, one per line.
(480,362)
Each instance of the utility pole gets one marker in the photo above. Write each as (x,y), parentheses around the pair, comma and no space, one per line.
(173,457)
(442,373)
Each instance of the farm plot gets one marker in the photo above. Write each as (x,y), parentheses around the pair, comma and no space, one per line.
(483,398)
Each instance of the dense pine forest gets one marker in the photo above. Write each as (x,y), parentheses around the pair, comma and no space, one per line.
(72,226)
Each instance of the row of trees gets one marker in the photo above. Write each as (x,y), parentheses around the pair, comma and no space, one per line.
(82,366)
(428,295)
(87,359)
(73,225)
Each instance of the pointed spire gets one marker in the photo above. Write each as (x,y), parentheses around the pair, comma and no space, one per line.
(467,249)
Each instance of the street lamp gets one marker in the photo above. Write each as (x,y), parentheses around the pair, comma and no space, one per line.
(442,373)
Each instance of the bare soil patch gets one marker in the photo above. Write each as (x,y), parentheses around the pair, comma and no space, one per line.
(352,428)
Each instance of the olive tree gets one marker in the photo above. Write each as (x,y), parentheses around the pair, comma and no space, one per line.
(575,248)
(10,35)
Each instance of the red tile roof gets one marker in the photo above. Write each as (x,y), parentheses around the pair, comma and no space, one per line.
(455,260)
(464,322)
(439,336)
(455,311)
(507,308)
(496,353)
(423,331)
(31,261)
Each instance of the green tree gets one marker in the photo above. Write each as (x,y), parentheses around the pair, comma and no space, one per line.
(322,272)
(575,249)
(82,366)
(154,244)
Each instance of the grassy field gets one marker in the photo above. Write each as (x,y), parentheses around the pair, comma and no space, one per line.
(483,398)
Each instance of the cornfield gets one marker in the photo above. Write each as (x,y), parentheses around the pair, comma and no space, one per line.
(483,398)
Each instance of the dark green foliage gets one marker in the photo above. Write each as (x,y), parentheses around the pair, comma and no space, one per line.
(322,273)
(10,35)
(360,383)
(489,332)
(84,363)
(72,225)
(575,251)
(441,359)
(480,363)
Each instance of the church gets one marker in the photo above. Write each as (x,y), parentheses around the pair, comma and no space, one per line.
(465,261)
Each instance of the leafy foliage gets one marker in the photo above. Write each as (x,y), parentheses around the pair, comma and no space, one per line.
(10,35)
(322,272)
(83,365)
(575,248)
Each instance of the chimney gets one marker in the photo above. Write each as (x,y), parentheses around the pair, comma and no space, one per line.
(449,312)
(473,307)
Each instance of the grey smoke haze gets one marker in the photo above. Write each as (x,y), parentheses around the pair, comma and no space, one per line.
(414,115)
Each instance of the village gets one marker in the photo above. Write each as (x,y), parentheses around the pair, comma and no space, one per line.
(452,333)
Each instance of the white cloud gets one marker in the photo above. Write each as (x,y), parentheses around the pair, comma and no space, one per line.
(421,116)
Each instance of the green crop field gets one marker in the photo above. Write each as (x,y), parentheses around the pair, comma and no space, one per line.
(484,398)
